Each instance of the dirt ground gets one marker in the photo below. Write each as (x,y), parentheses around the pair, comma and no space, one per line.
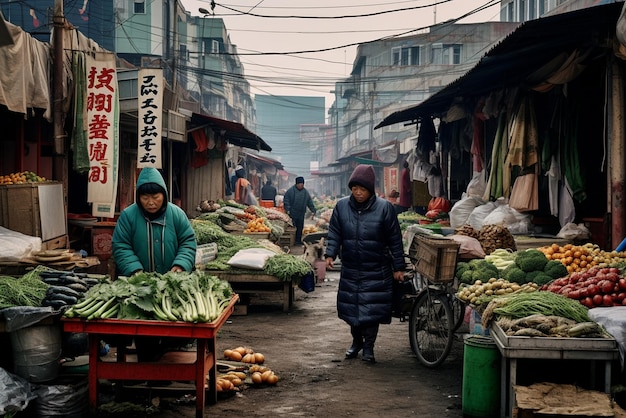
(305,347)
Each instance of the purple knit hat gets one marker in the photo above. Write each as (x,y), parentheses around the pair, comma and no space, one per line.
(363,175)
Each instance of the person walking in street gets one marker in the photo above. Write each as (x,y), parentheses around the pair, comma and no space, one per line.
(268,192)
(406,192)
(365,234)
(297,199)
(153,235)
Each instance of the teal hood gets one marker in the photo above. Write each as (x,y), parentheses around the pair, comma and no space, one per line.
(152,175)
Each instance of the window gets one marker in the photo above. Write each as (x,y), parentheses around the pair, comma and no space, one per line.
(405,55)
(215,47)
(446,54)
(140,6)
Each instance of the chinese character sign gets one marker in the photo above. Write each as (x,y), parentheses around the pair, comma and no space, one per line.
(150,103)
(102,132)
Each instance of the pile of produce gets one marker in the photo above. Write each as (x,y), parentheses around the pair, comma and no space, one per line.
(21,178)
(287,267)
(594,287)
(257,225)
(538,325)
(481,293)
(309,229)
(526,266)
(65,288)
(188,297)
(251,371)
(208,206)
(492,237)
(21,291)
(531,265)
(580,257)
(522,304)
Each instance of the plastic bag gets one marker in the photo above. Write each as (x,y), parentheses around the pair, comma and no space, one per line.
(15,246)
(516,222)
(251,258)
(439,203)
(15,394)
(469,246)
(307,283)
(478,215)
(66,401)
(462,209)
(571,231)
(477,185)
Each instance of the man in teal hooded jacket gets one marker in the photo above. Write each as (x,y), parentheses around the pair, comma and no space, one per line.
(153,235)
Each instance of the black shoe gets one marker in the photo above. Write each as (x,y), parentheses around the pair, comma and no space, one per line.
(353,351)
(368,355)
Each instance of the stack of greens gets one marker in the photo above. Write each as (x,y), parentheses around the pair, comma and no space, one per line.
(189,297)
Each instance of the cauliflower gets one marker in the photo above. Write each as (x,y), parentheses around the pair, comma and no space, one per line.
(531,260)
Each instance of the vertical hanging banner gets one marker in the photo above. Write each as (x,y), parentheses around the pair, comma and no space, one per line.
(103,132)
(150,115)
(391,179)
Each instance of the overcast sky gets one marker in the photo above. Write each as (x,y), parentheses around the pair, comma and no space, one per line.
(280,68)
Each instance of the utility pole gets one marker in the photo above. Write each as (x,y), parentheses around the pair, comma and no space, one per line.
(60,159)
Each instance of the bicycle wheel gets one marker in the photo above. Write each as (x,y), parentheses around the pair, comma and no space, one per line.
(431,328)
(458,311)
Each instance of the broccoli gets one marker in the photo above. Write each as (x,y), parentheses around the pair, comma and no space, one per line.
(531,260)
(466,277)
(555,269)
(482,274)
(542,278)
(514,274)
(461,267)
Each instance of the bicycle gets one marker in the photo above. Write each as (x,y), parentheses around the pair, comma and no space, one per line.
(436,313)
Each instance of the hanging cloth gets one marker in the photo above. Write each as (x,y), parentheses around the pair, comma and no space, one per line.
(477,138)
(522,152)
(494,188)
(426,137)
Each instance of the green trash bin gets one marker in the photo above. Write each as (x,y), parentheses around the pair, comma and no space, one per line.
(481,377)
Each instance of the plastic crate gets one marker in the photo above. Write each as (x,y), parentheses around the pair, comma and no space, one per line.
(435,258)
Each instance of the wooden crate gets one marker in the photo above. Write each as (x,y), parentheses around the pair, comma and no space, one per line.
(288,237)
(35,209)
(435,257)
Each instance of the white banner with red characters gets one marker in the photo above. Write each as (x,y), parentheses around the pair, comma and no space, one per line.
(150,115)
(103,132)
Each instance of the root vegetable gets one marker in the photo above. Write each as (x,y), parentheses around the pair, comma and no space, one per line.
(256,378)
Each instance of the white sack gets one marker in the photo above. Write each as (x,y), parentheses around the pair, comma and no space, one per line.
(15,246)
(251,258)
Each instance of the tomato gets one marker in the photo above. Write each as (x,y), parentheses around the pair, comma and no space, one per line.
(587,302)
(597,300)
(583,292)
(607,300)
(574,294)
(624,302)
(621,296)
(606,286)
(622,283)
(593,289)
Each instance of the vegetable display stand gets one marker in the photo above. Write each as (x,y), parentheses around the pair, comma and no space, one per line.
(205,361)
(259,284)
(513,348)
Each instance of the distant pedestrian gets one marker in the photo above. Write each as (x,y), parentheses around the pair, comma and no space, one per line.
(297,199)
(365,234)
(268,192)
(243,189)
(406,190)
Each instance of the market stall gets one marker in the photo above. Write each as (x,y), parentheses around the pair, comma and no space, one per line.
(202,366)
(248,254)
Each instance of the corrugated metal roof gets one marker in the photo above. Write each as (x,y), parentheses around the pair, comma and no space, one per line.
(530,46)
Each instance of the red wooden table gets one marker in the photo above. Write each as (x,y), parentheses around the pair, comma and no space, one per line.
(123,370)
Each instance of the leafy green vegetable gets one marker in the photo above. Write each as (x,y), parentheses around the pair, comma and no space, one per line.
(189,297)
(287,267)
(23,291)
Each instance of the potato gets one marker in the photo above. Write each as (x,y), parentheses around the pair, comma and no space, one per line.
(259,358)
(235,356)
(256,378)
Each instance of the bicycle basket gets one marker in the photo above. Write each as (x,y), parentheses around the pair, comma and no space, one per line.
(435,257)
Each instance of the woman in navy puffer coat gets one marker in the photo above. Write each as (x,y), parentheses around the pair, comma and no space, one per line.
(365,234)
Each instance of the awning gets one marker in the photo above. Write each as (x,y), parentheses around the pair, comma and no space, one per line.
(508,64)
(234,132)
(264,160)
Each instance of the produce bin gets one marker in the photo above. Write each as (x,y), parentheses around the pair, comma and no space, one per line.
(436,257)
